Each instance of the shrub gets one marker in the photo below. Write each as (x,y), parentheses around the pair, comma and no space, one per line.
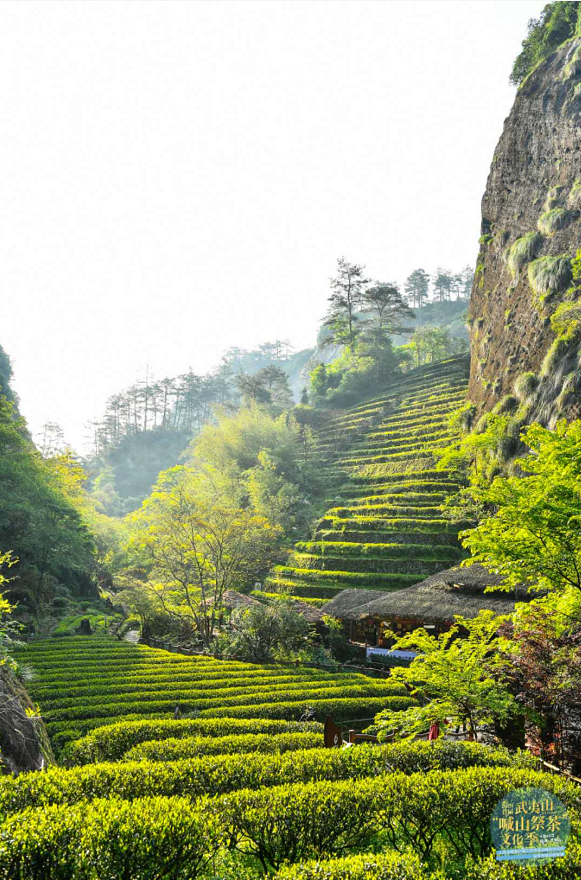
(339,709)
(549,275)
(525,385)
(380,866)
(194,777)
(259,743)
(110,743)
(418,812)
(413,757)
(566,321)
(551,221)
(565,868)
(574,199)
(296,822)
(523,250)
(555,354)
(218,774)
(107,840)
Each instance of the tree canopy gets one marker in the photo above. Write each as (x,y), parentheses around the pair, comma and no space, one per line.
(557,23)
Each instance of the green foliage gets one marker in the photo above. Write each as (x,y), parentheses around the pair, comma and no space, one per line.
(531,534)
(193,777)
(380,866)
(197,543)
(557,23)
(422,812)
(41,522)
(122,682)
(192,747)
(451,680)
(549,275)
(266,632)
(551,221)
(413,756)
(357,372)
(108,840)
(566,321)
(574,198)
(266,462)
(525,385)
(9,628)
(523,250)
(431,344)
(112,742)
(297,822)
(344,302)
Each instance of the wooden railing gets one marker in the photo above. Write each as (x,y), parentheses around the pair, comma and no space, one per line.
(552,768)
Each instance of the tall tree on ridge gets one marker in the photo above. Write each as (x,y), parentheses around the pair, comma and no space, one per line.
(347,289)
(416,288)
(443,284)
(386,303)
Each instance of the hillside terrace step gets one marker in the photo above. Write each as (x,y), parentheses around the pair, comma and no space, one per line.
(391,581)
(393,550)
(371,536)
(367,564)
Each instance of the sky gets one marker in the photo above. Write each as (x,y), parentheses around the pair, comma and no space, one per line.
(181,177)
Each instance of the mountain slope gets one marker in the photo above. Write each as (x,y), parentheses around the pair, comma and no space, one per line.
(383,529)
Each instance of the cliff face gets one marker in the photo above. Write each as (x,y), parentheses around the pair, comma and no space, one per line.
(531,214)
(24,743)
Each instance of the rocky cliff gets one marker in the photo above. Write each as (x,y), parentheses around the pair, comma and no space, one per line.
(24,743)
(523,313)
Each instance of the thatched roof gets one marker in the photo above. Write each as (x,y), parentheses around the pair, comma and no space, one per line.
(309,612)
(440,597)
(234,600)
(347,600)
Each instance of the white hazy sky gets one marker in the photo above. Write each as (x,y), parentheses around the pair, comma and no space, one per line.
(179,177)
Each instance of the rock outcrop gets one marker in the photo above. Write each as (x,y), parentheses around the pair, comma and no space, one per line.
(24,743)
(531,229)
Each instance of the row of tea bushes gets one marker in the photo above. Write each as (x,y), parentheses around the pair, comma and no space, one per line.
(83,685)
(195,746)
(109,839)
(217,774)
(424,812)
(397,866)
(111,743)
(200,699)
(167,837)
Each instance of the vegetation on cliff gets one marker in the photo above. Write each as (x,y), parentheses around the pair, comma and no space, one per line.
(557,23)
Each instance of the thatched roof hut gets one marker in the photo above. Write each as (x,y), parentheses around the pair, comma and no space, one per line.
(375,617)
(309,612)
(440,597)
(234,601)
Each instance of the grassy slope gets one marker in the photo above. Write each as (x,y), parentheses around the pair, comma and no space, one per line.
(383,529)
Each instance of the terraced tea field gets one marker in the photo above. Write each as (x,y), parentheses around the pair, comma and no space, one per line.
(80,685)
(241,789)
(384,529)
